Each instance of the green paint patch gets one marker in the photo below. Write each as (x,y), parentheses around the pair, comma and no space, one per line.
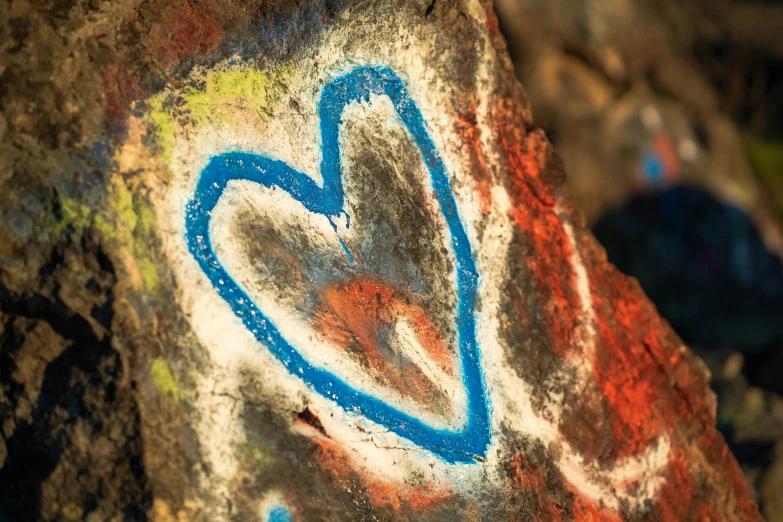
(164,126)
(202,108)
(79,217)
(127,219)
(261,90)
(164,380)
(121,200)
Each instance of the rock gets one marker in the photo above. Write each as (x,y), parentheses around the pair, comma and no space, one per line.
(315,262)
(667,120)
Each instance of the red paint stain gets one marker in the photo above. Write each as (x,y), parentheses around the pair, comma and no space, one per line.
(585,510)
(467,129)
(550,260)
(644,385)
(419,498)
(180,32)
(542,505)
(185,31)
(120,89)
(493,26)
(360,315)
(530,479)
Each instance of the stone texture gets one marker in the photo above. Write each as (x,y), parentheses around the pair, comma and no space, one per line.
(659,110)
(215,212)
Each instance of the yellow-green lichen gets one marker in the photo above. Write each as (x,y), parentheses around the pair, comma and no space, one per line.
(145,218)
(164,380)
(74,213)
(259,90)
(127,219)
(149,274)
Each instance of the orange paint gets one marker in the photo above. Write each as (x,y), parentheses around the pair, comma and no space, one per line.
(493,25)
(360,315)
(336,459)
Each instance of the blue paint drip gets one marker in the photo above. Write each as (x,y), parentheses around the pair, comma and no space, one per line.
(460,445)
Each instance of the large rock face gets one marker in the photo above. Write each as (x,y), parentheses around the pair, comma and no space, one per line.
(315,262)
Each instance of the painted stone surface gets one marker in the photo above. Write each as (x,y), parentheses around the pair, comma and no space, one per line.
(332,264)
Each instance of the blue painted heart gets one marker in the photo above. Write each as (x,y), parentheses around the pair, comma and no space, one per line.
(461,444)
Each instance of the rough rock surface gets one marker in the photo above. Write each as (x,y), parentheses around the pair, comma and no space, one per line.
(659,110)
(313,261)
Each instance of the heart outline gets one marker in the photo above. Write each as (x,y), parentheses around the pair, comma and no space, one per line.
(465,445)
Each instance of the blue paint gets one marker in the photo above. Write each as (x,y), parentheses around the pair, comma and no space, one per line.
(345,249)
(279,514)
(459,445)
(653,166)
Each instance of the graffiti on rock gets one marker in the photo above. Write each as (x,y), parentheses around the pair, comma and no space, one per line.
(461,442)
(375,347)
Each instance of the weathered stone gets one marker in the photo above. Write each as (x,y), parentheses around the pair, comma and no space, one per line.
(314,262)
(658,121)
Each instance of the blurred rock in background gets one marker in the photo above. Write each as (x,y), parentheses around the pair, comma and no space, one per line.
(669,118)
